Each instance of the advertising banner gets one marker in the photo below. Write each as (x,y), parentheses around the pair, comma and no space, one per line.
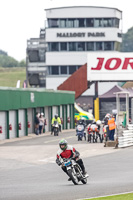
(110,66)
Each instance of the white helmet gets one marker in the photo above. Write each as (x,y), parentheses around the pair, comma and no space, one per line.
(107,115)
(98,122)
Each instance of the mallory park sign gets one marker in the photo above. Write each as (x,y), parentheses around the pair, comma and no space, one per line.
(111,66)
(82,34)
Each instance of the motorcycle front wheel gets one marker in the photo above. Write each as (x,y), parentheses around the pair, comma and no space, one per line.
(73,177)
(79,138)
(84,181)
(56,132)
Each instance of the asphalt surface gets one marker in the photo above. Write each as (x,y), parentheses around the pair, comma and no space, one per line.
(28,169)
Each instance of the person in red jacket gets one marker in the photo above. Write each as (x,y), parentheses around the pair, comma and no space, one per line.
(67,151)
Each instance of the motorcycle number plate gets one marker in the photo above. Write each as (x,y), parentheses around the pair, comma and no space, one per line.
(68,163)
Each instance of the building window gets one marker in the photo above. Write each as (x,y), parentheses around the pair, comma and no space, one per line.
(63,46)
(53,23)
(54,46)
(107,22)
(75,46)
(78,66)
(54,70)
(71,23)
(72,46)
(80,22)
(116,22)
(98,22)
(89,22)
(99,46)
(107,46)
(63,69)
(62,23)
(72,69)
(90,46)
(80,46)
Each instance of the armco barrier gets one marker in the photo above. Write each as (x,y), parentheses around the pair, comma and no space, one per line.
(126,139)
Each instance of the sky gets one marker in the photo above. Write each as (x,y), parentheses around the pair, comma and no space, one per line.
(21,20)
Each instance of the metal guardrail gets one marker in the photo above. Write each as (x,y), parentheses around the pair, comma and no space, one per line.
(126,139)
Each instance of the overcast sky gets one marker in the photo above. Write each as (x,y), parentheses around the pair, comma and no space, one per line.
(22,19)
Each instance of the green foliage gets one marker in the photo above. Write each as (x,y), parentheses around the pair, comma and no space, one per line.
(22,63)
(7,61)
(3,52)
(127,41)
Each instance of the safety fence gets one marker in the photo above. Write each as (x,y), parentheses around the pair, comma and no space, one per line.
(126,139)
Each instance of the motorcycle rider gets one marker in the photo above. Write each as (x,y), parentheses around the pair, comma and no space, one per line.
(55,118)
(107,116)
(82,121)
(67,151)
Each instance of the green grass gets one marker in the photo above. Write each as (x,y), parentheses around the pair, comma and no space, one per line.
(128,196)
(10,76)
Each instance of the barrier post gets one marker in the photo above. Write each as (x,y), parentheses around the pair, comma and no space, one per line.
(96,104)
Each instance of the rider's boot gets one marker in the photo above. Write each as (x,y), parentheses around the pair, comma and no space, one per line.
(85,174)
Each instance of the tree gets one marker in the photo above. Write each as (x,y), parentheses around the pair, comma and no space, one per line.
(7,61)
(3,52)
(127,41)
(22,63)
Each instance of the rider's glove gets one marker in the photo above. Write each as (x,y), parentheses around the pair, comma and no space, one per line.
(62,164)
(74,155)
(58,162)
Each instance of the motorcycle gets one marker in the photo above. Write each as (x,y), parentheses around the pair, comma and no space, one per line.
(99,133)
(74,171)
(93,133)
(80,132)
(56,128)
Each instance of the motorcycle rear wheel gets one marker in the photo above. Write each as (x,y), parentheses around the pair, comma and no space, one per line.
(56,133)
(73,177)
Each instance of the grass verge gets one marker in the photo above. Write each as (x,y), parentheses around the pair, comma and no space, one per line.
(10,76)
(128,196)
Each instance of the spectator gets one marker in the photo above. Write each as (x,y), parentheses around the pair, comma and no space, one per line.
(37,123)
(41,123)
(112,126)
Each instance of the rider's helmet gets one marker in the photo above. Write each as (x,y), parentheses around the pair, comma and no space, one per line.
(56,116)
(98,122)
(107,115)
(63,142)
(82,119)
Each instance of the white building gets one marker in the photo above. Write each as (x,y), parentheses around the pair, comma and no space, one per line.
(71,33)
